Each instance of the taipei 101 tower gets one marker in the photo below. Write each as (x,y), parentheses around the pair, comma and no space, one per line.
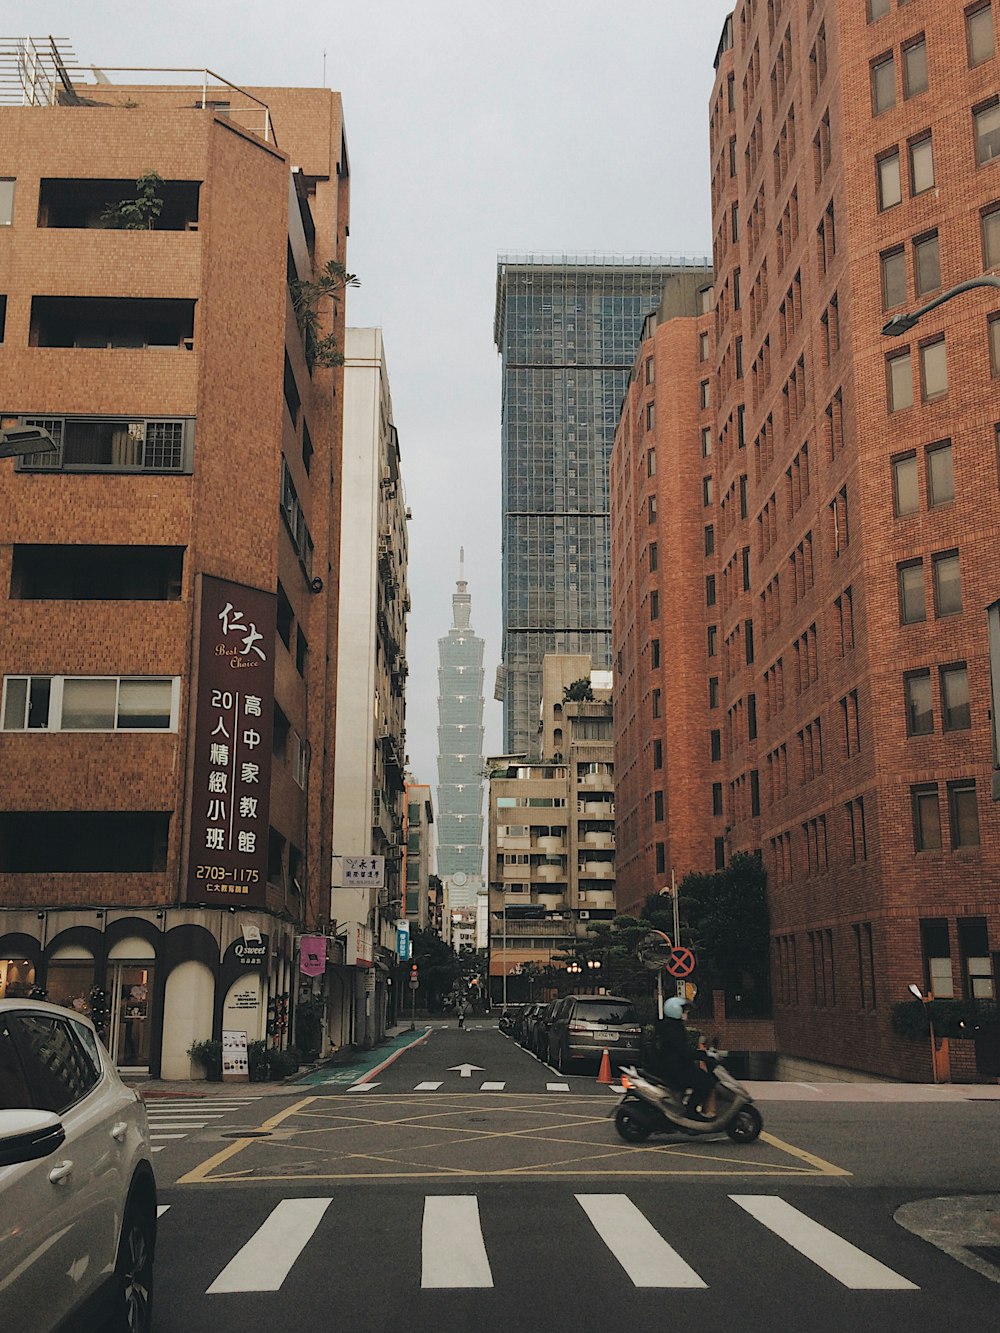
(460,752)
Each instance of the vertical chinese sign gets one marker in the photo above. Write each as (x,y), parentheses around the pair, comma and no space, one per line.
(234,718)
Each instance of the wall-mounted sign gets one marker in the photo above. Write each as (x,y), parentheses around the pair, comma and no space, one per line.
(234,717)
(403,940)
(364,872)
(360,946)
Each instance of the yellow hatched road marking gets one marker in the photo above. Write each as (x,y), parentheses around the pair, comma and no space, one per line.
(199,1174)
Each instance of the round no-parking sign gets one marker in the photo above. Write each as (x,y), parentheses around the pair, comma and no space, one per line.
(681,962)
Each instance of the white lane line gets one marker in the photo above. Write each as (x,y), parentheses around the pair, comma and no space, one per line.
(454,1253)
(427,1087)
(161,1208)
(167,1136)
(640,1249)
(362,1087)
(557,1087)
(492,1087)
(177,1124)
(849,1265)
(265,1260)
(159,1149)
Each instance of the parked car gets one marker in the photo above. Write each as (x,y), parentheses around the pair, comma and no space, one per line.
(540,1032)
(585,1024)
(77,1192)
(523,1024)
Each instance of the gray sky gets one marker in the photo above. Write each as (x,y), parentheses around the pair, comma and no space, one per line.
(474,128)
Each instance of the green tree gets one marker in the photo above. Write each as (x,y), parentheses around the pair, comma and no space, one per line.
(728,924)
(306,300)
(140,213)
(438,966)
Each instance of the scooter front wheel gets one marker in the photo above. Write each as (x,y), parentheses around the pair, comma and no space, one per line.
(745,1125)
(629,1126)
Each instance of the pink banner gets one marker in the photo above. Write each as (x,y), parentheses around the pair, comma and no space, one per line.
(312,958)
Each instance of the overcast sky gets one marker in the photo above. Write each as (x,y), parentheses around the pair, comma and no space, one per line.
(474,127)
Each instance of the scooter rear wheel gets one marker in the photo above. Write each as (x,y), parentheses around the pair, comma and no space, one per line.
(745,1125)
(630,1127)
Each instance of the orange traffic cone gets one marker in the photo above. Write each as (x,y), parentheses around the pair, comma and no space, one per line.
(605,1074)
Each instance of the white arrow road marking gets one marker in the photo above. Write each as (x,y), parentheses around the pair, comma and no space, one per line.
(636,1244)
(466,1070)
(454,1253)
(427,1087)
(265,1260)
(842,1260)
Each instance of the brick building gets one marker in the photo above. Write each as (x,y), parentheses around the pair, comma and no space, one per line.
(852,489)
(168,574)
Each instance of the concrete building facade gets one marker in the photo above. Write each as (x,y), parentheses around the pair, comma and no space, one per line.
(418,859)
(169,571)
(369,813)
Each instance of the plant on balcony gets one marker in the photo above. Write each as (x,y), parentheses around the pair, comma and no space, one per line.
(140,213)
(578,691)
(306,300)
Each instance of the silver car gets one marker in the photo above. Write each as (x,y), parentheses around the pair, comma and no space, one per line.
(77,1193)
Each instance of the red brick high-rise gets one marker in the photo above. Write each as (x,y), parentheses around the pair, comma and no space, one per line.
(856,509)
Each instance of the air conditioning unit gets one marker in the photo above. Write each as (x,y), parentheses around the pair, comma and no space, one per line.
(584,916)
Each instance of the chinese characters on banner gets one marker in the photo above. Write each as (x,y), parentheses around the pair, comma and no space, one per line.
(364,871)
(234,716)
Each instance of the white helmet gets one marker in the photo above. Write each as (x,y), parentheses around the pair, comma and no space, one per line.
(675,1007)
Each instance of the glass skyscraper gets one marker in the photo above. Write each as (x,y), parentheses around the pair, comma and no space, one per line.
(567,329)
(460,742)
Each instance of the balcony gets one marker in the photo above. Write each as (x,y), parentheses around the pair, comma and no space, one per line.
(551,844)
(596,870)
(549,872)
(596,782)
(605,841)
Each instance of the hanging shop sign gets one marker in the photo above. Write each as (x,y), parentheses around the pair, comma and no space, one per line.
(234,719)
(312,955)
(364,872)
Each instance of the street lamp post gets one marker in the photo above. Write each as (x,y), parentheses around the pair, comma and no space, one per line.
(903,322)
(925,1000)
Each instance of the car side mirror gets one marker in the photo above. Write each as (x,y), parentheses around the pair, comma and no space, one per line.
(26,1136)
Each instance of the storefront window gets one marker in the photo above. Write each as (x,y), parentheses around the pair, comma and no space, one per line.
(17,976)
(70,983)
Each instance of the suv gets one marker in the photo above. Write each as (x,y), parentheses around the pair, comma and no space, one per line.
(583,1025)
(77,1193)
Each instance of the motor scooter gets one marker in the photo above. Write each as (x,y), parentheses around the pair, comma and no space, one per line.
(649,1106)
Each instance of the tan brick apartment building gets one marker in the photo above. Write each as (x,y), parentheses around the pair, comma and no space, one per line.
(168,577)
(853,492)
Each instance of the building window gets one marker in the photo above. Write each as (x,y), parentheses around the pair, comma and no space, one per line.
(955,712)
(751,717)
(974,950)
(877,9)
(651,508)
(702,346)
(6,202)
(894,290)
(899,381)
(710,539)
(963,814)
(890,190)
(706,441)
(657,754)
(927,263)
(926,818)
(937,958)
(650,462)
(947,584)
(986,128)
(905,485)
(940,475)
(83,841)
(994,336)
(97,573)
(658,807)
(654,557)
(650,371)
(912,603)
(713,691)
(979,36)
(933,370)
(661,858)
(706,491)
(709,589)
(654,654)
(883,84)
(654,605)
(720,853)
(715,739)
(704,394)
(915,68)
(919,706)
(650,415)
(113,444)
(717,798)
(921,165)
(991,237)
(713,640)
(656,702)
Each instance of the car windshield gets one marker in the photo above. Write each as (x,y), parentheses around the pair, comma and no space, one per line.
(609,1013)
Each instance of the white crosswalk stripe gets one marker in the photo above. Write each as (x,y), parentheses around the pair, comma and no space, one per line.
(454,1252)
(849,1265)
(636,1244)
(427,1087)
(265,1260)
(170,1115)
(454,1255)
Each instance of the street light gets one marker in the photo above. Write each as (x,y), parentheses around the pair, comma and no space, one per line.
(925,1000)
(19,441)
(593,967)
(904,322)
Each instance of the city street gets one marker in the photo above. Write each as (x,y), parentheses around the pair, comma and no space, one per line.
(465,1183)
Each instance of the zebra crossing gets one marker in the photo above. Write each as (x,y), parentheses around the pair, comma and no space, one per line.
(454,1254)
(173,1119)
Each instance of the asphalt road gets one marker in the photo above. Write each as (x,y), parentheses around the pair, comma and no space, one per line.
(454,1206)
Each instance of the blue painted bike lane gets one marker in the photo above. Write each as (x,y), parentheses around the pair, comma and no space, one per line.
(364,1065)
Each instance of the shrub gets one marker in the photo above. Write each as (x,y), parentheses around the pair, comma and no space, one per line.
(951,1018)
(208,1054)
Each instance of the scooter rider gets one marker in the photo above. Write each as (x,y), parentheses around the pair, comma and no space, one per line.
(679,1062)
